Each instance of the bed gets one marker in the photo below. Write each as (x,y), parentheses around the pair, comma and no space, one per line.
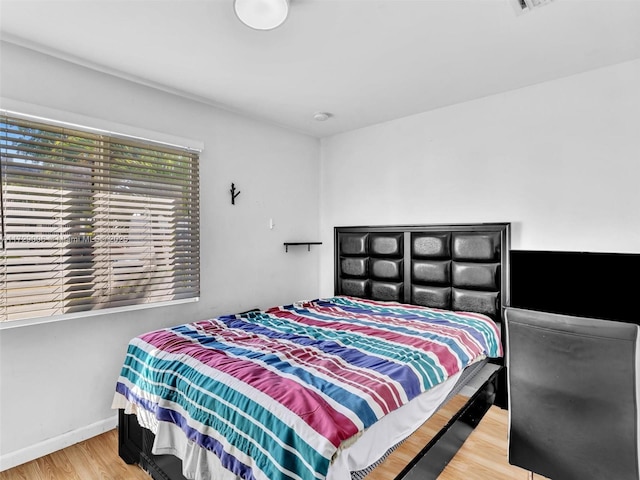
(323,388)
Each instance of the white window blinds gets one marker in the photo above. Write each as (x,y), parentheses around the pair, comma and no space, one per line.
(92,221)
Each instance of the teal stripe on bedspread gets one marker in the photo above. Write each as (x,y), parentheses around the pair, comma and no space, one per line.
(219,407)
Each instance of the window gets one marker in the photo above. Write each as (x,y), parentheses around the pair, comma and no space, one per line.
(92,220)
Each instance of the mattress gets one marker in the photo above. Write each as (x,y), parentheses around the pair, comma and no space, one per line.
(300,391)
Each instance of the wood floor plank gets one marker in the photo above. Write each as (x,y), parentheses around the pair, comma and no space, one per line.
(28,471)
(408,450)
(93,459)
(483,456)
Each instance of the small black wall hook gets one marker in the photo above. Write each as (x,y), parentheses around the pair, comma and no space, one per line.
(234,194)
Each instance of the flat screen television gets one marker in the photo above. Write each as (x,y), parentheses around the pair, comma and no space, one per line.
(586,284)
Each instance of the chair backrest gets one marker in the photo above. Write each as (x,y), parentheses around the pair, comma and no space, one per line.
(572,385)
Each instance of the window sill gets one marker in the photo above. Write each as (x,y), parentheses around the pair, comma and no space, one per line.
(90,313)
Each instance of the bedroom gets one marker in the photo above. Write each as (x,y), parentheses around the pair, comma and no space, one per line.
(556,157)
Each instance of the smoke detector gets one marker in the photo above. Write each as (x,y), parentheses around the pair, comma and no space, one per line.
(321,116)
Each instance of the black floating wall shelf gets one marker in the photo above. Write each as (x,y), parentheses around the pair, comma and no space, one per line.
(308,244)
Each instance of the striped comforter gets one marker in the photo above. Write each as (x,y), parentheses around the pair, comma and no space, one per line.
(275,394)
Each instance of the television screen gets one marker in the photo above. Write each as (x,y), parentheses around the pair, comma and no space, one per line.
(587,284)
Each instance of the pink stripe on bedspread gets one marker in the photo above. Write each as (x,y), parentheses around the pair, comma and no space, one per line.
(447,359)
(462,337)
(386,395)
(304,402)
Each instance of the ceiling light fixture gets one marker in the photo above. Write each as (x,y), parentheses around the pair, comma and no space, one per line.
(262,14)
(321,116)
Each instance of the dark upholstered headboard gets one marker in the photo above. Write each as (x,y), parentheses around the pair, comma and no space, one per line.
(453,267)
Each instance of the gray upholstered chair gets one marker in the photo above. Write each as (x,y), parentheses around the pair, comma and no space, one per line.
(572,385)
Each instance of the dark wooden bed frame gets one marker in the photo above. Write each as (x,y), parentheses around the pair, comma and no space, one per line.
(453,267)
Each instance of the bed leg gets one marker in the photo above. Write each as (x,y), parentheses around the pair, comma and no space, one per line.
(502,396)
(129,438)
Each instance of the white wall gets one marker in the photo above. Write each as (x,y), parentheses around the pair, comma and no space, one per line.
(57,380)
(560,160)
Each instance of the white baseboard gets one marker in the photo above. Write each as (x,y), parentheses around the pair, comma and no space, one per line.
(24,455)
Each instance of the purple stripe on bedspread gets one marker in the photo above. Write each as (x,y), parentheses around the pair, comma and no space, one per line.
(304,402)
(352,356)
(171,416)
(447,359)
(386,395)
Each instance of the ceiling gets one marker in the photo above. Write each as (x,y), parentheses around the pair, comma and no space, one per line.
(365,61)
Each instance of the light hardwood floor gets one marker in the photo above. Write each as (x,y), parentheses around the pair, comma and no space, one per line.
(94,459)
(482,457)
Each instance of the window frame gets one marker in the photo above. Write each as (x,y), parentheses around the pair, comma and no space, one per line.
(58,118)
